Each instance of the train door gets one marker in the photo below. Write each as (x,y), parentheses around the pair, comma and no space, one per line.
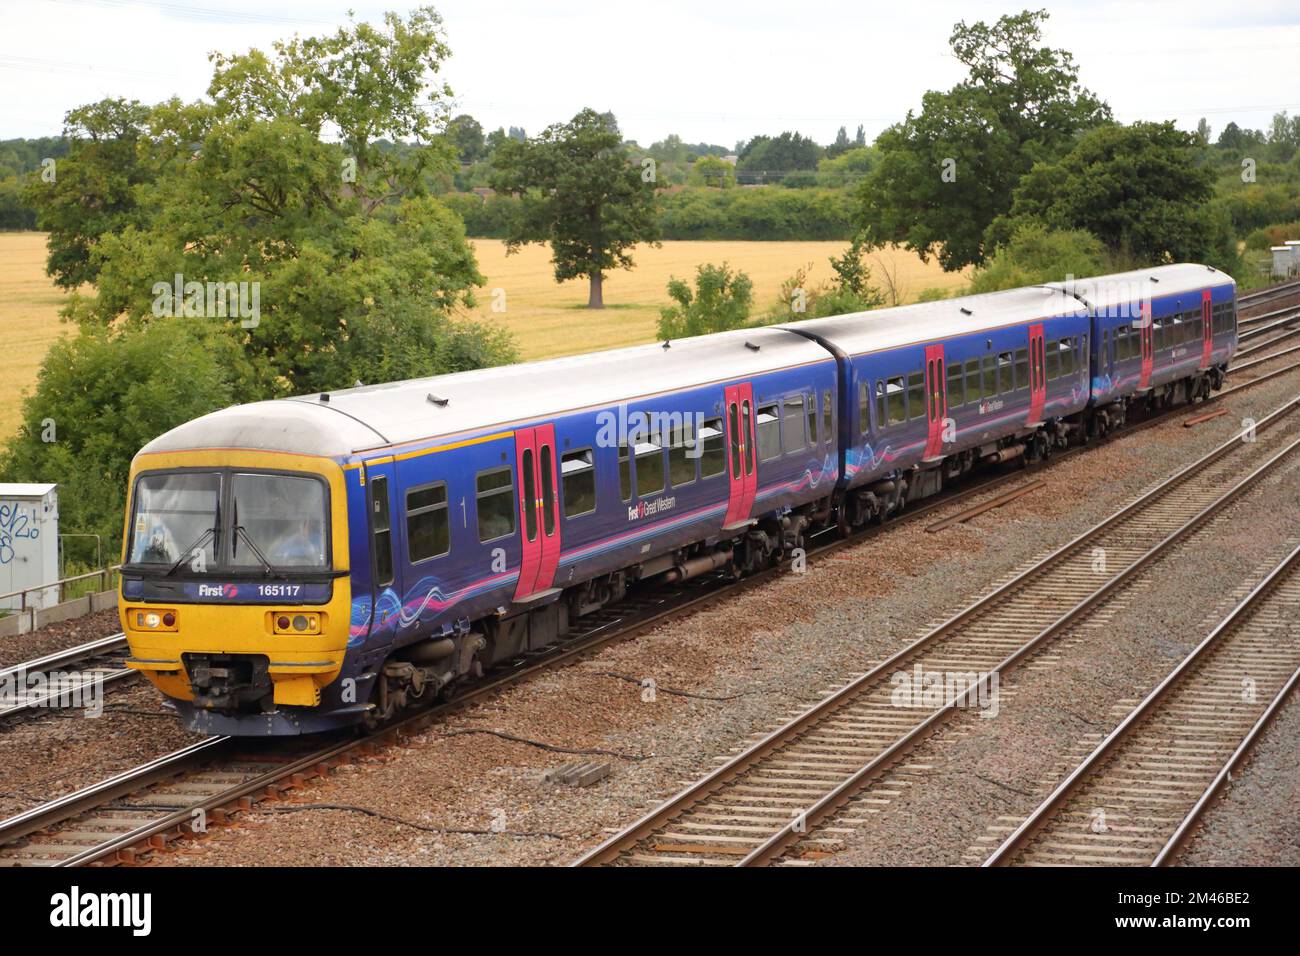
(742,485)
(381,505)
(936,400)
(1207,330)
(539,520)
(1037,374)
(1146,328)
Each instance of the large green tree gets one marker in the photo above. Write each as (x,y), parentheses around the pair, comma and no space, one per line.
(1140,189)
(947,172)
(92,192)
(581,192)
(286,180)
(770,159)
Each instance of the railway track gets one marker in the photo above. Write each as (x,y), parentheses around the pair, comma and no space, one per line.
(1138,796)
(144,808)
(69,678)
(758,805)
(1280,291)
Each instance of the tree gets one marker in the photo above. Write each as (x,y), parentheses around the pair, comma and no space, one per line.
(721,301)
(769,159)
(946,173)
(581,193)
(94,188)
(466,137)
(713,171)
(842,144)
(1203,131)
(330,236)
(1138,188)
(849,167)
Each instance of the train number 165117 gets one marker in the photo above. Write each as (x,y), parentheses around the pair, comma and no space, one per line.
(278,590)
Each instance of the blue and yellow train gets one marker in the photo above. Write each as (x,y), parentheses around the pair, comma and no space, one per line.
(300,565)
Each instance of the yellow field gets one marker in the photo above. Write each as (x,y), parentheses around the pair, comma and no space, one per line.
(29,319)
(546,319)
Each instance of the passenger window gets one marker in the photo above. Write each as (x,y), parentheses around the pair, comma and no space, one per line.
(624,473)
(769,433)
(990,367)
(381,535)
(428,533)
(649,466)
(792,419)
(713,457)
(812,418)
(495,502)
(973,380)
(1053,361)
(1066,352)
(828,418)
(956,390)
(578,478)
(915,395)
(864,410)
(681,454)
(897,401)
(1005,382)
(881,420)
(1022,368)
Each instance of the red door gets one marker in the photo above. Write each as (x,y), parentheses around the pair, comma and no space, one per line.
(741,454)
(1207,330)
(1147,332)
(1037,374)
(539,519)
(936,399)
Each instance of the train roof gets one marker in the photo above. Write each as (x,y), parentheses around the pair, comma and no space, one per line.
(1182,277)
(860,332)
(372,416)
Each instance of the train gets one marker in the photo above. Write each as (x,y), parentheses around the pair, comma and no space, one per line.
(313,563)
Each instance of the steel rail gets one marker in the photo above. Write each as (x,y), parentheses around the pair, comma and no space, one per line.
(1042,815)
(693,794)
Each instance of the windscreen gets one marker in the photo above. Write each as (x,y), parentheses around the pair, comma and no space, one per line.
(176,515)
(278,518)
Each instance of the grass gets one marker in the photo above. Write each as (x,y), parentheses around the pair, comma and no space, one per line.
(547,319)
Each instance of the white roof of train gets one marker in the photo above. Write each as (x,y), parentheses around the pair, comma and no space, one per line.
(378,415)
(860,332)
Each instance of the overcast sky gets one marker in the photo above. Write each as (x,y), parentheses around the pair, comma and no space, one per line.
(715,71)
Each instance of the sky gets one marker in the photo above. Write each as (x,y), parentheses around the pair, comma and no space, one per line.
(717,72)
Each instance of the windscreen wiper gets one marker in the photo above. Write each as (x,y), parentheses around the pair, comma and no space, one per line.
(185,554)
(270,568)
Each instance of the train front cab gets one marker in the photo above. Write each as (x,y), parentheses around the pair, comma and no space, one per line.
(235,596)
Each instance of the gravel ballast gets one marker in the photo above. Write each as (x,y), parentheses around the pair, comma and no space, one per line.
(770,651)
